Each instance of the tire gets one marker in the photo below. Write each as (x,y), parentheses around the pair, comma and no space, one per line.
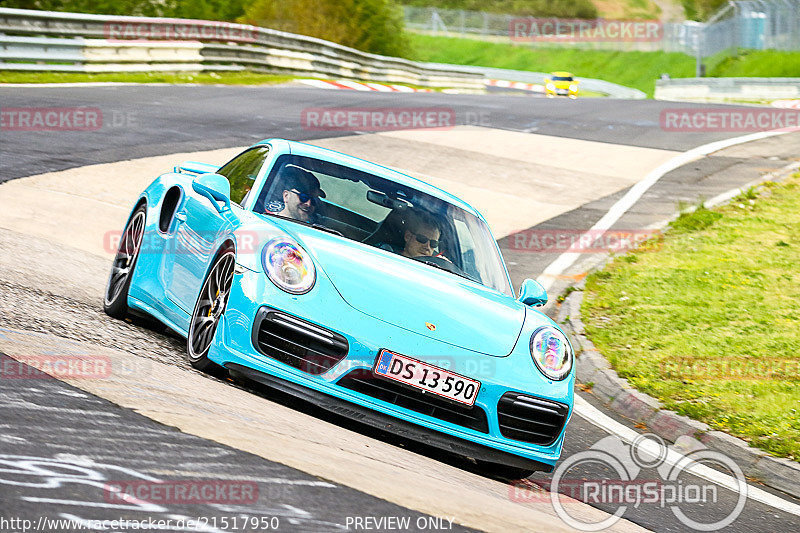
(115,299)
(209,308)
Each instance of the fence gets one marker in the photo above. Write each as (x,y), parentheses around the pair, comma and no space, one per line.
(750,24)
(754,24)
(50,41)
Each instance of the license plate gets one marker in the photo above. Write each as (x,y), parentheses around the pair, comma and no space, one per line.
(427,377)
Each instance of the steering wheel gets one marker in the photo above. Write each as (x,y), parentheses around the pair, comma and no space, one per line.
(441,262)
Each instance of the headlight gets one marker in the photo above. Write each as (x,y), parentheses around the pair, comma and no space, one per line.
(288,266)
(551,86)
(573,88)
(551,352)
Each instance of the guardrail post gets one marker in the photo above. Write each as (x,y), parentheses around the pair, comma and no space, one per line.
(700,70)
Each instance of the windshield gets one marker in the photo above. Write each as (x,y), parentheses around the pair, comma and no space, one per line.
(384,214)
(562,78)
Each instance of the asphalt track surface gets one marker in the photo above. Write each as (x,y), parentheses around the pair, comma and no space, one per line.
(145,121)
(55,419)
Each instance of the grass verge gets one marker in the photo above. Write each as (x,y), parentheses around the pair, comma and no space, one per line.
(632,69)
(225,78)
(710,323)
(209,78)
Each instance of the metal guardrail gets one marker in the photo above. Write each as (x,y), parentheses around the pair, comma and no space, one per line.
(45,40)
(727,89)
(49,41)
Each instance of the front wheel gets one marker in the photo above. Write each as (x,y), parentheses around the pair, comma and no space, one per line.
(115,301)
(208,310)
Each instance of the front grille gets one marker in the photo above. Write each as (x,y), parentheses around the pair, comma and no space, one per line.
(366,382)
(298,343)
(530,419)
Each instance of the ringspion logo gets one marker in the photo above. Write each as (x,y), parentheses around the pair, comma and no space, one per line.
(669,484)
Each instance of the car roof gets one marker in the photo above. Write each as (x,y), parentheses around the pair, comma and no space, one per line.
(561,73)
(325,154)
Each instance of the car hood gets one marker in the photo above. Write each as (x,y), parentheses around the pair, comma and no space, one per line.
(415,296)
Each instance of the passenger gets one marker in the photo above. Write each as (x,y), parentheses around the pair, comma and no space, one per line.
(421,236)
(301,194)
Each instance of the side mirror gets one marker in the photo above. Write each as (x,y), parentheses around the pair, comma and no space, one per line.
(214,187)
(532,293)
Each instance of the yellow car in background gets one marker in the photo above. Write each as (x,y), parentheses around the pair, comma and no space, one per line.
(561,84)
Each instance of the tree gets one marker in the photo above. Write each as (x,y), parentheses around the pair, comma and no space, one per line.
(370,25)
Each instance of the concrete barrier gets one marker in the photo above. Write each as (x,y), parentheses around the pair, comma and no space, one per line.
(727,89)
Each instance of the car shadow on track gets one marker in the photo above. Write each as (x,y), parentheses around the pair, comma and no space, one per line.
(298,404)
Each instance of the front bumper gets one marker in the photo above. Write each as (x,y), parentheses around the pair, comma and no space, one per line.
(234,349)
(562,92)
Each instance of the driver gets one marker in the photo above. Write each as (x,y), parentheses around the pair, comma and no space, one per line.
(421,236)
(301,194)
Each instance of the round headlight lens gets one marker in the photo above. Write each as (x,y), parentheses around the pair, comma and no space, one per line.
(551,86)
(288,266)
(551,352)
(573,88)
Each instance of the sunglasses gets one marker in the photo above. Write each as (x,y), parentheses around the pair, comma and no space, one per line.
(422,239)
(303,197)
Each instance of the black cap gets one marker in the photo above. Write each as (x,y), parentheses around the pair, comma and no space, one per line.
(294,177)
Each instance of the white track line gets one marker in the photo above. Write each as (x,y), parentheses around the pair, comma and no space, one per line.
(606,423)
(591,414)
(566,260)
(733,193)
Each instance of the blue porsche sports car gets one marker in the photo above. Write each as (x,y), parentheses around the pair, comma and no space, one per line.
(355,287)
